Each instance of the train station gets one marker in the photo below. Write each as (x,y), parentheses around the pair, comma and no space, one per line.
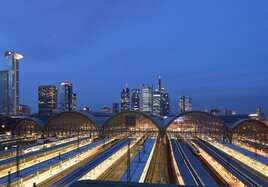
(194,148)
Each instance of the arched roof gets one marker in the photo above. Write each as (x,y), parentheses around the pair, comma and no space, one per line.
(243,121)
(27,126)
(88,116)
(37,121)
(97,120)
(169,121)
(155,120)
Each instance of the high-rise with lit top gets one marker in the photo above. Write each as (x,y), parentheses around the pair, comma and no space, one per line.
(9,85)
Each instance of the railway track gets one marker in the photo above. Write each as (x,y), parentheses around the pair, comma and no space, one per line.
(116,171)
(227,162)
(50,181)
(197,179)
(151,171)
(84,168)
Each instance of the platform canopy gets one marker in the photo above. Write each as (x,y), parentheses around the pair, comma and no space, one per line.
(28,127)
(70,123)
(197,123)
(131,121)
(250,129)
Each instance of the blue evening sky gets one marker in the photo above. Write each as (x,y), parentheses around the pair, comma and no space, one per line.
(215,51)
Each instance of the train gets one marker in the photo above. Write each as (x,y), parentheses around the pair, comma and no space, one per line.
(192,147)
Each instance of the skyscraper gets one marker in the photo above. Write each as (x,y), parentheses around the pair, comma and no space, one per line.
(185,103)
(161,101)
(74,102)
(146,98)
(125,99)
(165,104)
(65,94)
(115,108)
(157,102)
(157,97)
(135,100)
(47,99)
(4,109)
(10,84)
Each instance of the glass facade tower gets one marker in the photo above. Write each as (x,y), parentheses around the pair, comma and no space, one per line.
(125,99)
(146,98)
(161,101)
(4,92)
(185,103)
(165,104)
(65,96)
(10,84)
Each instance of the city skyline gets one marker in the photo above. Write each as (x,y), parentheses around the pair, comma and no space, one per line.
(220,65)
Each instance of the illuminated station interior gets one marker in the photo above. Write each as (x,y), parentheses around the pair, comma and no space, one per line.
(133,148)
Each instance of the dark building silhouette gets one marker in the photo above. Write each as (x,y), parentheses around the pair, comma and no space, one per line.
(135,100)
(125,99)
(215,112)
(24,110)
(74,102)
(165,104)
(115,108)
(4,107)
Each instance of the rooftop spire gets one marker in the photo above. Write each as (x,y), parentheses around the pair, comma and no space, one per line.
(126,84)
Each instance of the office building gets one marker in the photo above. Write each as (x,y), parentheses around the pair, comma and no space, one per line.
(9,104)
(24,110)
(115,108)
(185,103)
(105,109)
(4,107)
(125,99)
(165,104)
(47,99)
(215,112)
(161,101)
(157,102)
(258,110)
(65,94)
(74,102)
(146,96)
(135,100)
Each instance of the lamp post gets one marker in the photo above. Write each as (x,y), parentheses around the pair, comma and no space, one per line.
(17,158)
(128,162)
(78,138)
